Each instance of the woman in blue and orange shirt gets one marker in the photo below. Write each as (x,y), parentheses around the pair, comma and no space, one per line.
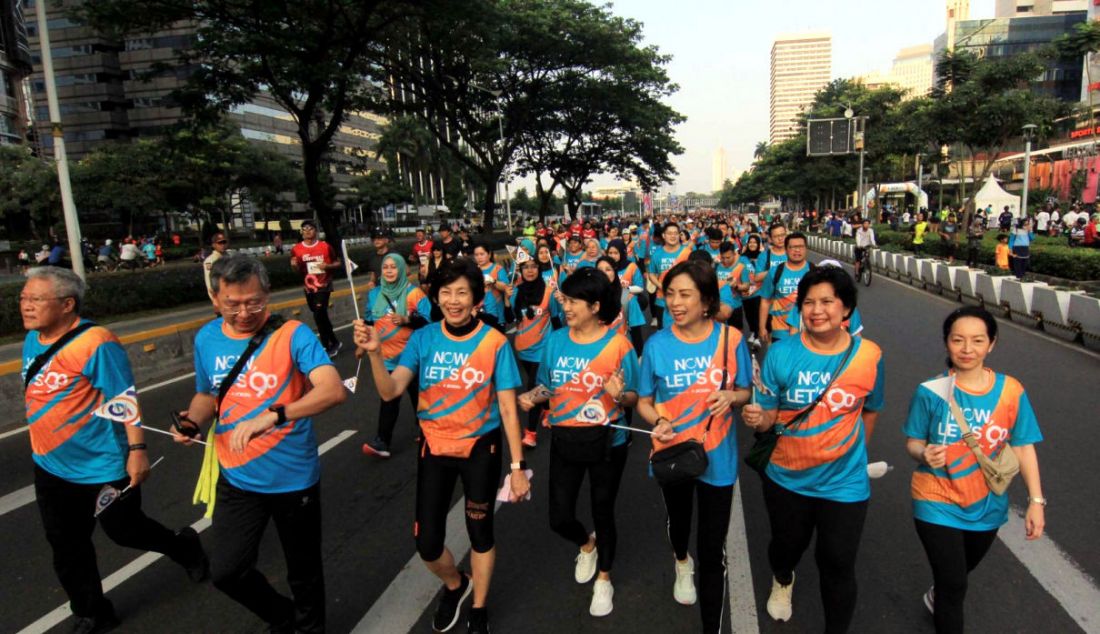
(467,375)
(956,514)
(817,478)
(531,300)
(693,373)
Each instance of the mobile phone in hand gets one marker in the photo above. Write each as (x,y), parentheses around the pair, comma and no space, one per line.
(191,429)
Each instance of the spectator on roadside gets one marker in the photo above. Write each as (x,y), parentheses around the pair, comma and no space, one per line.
(43,255)
(467,246)
(919,229)
(1001,253)
(149,250)
(451,246)
(57,253)
(1004,221)
(277,243)
(1042,221)
(24,259)
(1089,239)
(949,234)
(374,263)
(219,242)
(1020,244)
(974,234)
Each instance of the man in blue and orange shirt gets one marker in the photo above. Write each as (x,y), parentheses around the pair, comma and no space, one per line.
(265,444)
(76,452)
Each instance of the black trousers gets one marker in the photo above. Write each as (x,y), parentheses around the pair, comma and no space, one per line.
(972,252)
(531,369)
(953,553)
(566,478)
(388,411)
(839,525)
(737,319)
(715,504)
(751,308)
(1020,261)
(240,518)
(318,305)
(67,511)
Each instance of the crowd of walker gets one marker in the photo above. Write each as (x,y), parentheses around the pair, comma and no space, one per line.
(602,333)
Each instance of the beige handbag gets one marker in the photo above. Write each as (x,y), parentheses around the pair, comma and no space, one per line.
(999,471)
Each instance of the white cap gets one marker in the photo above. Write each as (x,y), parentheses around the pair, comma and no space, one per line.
(107,242)
(830,262)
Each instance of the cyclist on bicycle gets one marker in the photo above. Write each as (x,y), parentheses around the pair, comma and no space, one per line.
(865,239)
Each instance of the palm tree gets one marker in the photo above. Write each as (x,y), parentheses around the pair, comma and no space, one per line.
(761,148)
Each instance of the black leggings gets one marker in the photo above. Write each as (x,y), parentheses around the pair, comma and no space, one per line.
(794,518)
(751,306)
(388,411)
(604,477)
(659,313)
(737,319)
(531,368)
(637,339)
(953,553)
(435,486)
(318,305)
(710,542)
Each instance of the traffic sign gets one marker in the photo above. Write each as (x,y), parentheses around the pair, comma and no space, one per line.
(827,137)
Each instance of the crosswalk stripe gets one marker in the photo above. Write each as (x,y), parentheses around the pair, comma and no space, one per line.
(17,499)
(59,614)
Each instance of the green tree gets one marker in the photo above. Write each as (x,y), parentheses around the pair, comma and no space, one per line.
(124,180)
(376,190)
(30,200)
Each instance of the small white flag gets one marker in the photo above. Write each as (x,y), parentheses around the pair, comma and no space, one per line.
(122,408)
(351,266)
(511,249)
(522,256)
(351,384)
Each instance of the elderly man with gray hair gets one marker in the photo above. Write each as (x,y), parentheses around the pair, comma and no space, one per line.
(71,367)
(261,380)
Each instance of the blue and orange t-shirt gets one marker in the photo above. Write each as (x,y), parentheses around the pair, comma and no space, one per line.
(765,260)
(285,458)
(739,273)
(459,378)
(494,299)
(392,336)
(783,294)
(575,372)
(631,314)
(67,439)
(825,455)
(660,261)
(680,374)
(632,275)
(1000,418)
(531,332)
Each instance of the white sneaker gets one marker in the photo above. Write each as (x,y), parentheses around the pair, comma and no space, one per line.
(586,566)
(930,600)
(779,602)
(683,590)
(602,591)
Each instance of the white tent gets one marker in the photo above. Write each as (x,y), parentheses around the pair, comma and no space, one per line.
(992,194)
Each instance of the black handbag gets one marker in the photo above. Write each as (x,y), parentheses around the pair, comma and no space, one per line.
(760,454)
(688,459)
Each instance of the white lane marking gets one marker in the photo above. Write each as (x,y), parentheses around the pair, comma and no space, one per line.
(17,499)
(413,589)
(1056,571)
(59,614)
(743,617)
(147,388)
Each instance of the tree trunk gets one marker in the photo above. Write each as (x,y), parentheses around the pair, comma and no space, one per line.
(330,224)
(490,204)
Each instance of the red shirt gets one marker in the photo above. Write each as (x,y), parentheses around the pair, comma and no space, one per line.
(422,250)
(311,261)
(588,233)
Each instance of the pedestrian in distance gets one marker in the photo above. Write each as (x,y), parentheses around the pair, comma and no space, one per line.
(1019,244)
(467,377)
(779,289)
(693,374)
(531,300)
(957,515)
(631,318)
(395,309)
(820,392)
(671,252)
(588,373)
(219,244)
(262,443)
(974,235)
(71,368)
(315,260)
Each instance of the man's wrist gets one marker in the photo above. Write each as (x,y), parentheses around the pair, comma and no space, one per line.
(138,446)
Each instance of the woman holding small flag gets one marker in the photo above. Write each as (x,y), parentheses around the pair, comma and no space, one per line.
(588,373)
(957,512)
(531,300)
(395,308)
(694,372)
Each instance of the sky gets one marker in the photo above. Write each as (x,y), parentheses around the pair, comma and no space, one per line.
(720,59)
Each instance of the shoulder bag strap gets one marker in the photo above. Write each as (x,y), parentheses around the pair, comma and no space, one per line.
(273,323)
(725,339)
(805,413)
(967,434)
(40,360)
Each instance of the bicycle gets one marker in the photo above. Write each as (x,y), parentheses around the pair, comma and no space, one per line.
(865,272)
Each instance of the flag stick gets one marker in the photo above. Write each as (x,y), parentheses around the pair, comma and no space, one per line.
(167,433)
(641,431)
(347,269)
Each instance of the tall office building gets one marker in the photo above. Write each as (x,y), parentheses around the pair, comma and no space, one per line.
(801,64)
(957,10)
(912,70)
(719,169)
(1024,8)
(15,65)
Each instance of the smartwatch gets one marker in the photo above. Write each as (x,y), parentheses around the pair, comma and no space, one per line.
(280,411)
(519,466)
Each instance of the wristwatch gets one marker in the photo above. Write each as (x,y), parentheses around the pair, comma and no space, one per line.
(1039,501)
(519,466)
(280,411)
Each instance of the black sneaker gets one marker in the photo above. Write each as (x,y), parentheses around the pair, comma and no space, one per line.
(376,447)
(478,621)
(450,604)
(105,621)
(195,561)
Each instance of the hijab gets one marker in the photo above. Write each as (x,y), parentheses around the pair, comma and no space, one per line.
(393,294)
(530,293)
(623,256)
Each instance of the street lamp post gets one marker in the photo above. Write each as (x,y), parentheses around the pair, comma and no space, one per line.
(500,123)
(72,225)
(1029,132)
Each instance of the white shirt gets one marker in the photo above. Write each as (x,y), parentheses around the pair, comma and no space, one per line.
(128,251)
(865,238)
(1041,220)
(1070,218)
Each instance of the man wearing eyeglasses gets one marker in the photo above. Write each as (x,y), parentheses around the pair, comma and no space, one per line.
(76,452)
(219,242)
(265,445)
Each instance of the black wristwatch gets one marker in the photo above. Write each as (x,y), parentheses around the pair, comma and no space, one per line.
(138,446)
(280,411)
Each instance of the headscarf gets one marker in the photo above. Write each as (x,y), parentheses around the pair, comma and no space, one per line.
(393,295)
(529,293)
(528,245)
(623,261)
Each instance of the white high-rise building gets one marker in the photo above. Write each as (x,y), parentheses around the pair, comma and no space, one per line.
(719,169)
(801,64)
(912,70)
(957,10)
(1024,8)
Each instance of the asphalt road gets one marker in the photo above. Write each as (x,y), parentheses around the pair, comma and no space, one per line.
(368,510)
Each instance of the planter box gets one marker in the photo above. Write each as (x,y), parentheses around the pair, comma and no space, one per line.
(913,267)
(1085,312)
(1052,306)
(879,259)
(1018,295)
(928,270)
(966,282)
(948,277)
(989,288)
